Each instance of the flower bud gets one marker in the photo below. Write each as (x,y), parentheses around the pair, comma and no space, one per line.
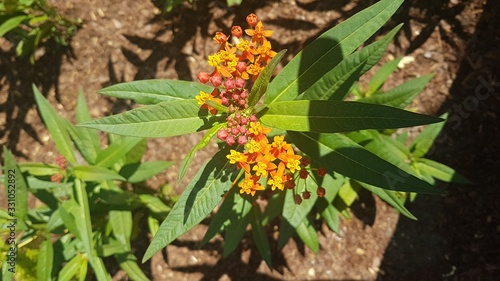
(236,31)
(321,191)
(297,199)
(239,83)
(306,194)
(229,84)
(230,140)
(242,140)
(203,77)
(321,172)
(241,66)
(222,134)
(252,19)
(216,80)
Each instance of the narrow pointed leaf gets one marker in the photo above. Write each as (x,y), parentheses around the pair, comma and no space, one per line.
(186,162)
(128,263)
(121,223)
(116,151)
(335,84)
(197,201)
(308,234)
(339,153)
(156,91)
(339,116)
(260,86)
(402,95)
(164,119)
(440,171)
(138,172)
(424,141)
(56,126)
(95,173)
(71,268)
(328,50)
(45,261)
(390,197)
(260,236)
(382,75)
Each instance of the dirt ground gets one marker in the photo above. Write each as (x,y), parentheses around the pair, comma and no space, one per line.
(457,237)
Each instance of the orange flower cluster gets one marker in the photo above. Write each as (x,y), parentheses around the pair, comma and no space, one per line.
(265,163)
(272,164)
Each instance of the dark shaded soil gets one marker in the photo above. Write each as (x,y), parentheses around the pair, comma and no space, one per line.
(456,237)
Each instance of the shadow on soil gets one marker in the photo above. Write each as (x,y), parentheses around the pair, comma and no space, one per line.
(456,236)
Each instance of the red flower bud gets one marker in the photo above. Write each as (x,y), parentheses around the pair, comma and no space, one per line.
(203,77)
(297,199)
(237,31)
(321,191)
(252,19)
(321,172)
(306,195)
(216,80)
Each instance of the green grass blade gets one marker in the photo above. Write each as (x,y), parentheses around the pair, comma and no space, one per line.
(164,119)
(339,116)
(156,91)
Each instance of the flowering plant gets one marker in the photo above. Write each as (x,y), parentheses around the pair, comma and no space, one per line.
(284,152)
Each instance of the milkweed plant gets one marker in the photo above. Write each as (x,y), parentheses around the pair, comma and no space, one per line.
(292,148)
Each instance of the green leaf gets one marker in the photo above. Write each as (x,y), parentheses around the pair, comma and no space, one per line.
(329,214)
(294,213)
(339,153)
(339,116)
(121,223)
(328,50)
(259,88)
(164,119)
(156,91)
(286,231)
(95,173)
(186,162)
(56,126)
(402,95)
(45,259)
(232,211)
(88,137)
(260,236)
(308,234)
(40,169)
(424,141)
(335,84)
(197,201)
(138,172)
(11,23)
(155,205)
(234,221)
(116,151)
(16,190)
(440,171)
(128,263)
(381,76)
(71,268)
(391,197)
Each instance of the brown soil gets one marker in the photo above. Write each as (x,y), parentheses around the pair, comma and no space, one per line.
(456,237)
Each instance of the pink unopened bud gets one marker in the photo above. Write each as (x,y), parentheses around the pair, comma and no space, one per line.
(252,19)
(230,140)
(244,121)
(225,101)
(242,102)
(244,94)
(253,118)
(204,77)
(229,84)
(235,131)
(216,80)
(222,134)
(242,140)
(241,66)
(239,83)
